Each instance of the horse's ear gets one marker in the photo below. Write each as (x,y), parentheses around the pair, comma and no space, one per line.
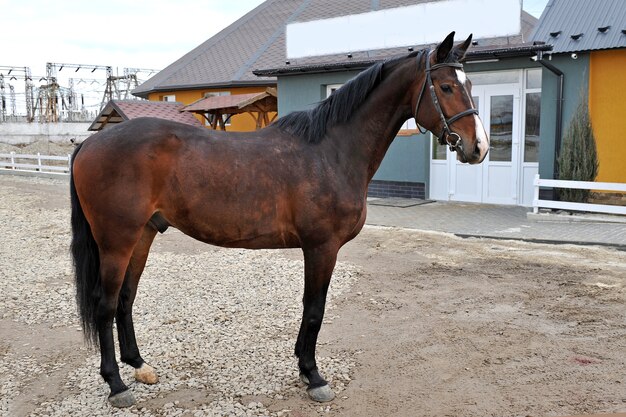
(459,50)
(444,48)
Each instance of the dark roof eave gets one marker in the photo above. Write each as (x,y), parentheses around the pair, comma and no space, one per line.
(232,84)
(472,55)
(310,68)
(510,52)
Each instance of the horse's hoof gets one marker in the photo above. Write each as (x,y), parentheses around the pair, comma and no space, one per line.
(321,394)
(304,379)
(122,399)
(146,374)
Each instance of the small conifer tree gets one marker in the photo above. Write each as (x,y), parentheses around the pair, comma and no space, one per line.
(578,160)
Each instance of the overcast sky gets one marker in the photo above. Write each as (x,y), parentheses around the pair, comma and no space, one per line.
(119,33)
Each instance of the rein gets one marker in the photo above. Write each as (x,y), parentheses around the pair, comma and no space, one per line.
(446,132)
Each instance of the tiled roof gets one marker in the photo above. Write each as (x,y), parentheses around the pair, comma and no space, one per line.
(583,25)
(117,111)
(257,41)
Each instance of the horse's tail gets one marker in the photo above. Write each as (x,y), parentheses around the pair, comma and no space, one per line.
(86,264)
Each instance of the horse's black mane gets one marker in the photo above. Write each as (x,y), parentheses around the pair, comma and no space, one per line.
(312,124)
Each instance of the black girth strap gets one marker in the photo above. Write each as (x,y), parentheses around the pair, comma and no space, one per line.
(446,132)
(158,222)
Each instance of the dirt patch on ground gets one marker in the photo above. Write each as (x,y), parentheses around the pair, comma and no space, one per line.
(478,327)
(433,325)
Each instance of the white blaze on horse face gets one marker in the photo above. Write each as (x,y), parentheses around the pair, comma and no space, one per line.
(460,75)
(481,135)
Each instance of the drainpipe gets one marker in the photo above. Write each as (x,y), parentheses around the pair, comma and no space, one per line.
(559,110)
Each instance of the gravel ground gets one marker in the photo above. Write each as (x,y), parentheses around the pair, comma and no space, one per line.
(220,323)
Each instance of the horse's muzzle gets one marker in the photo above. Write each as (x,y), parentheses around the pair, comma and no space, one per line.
(472,152)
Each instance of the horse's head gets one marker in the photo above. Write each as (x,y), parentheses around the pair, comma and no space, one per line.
(445,106)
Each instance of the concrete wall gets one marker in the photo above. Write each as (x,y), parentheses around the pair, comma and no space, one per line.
(25,133)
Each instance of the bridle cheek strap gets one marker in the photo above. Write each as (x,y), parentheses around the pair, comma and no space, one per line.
(446,132)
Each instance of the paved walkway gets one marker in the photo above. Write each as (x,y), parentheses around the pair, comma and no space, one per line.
(495,221)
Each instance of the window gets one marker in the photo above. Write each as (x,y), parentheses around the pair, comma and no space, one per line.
(533,78)
(532,115)
(531,135)
(331,88)
(501,128)
(216,93)
(168,97)
(500,77)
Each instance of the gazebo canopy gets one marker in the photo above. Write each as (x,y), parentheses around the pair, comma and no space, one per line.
(258,105)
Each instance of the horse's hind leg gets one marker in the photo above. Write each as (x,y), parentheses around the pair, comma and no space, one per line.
(113,265)
(129,352)
(318,268)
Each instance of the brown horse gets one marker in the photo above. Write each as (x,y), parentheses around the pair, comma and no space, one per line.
(299,183)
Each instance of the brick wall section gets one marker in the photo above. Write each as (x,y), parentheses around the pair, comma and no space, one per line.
(400,189)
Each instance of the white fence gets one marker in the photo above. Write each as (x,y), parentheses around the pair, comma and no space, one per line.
(48,164)
(579,185)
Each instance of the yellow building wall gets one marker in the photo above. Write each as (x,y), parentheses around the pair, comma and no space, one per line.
(607,108)
(239,122)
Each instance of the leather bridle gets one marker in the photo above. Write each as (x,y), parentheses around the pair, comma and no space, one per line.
(446,132)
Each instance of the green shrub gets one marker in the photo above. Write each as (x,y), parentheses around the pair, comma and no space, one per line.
(578,160)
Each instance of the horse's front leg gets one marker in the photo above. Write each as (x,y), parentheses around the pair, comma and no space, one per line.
(319,263)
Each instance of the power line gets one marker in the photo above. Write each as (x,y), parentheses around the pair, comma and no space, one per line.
(65,93)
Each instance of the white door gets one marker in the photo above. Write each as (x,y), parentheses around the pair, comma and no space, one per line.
(495,180)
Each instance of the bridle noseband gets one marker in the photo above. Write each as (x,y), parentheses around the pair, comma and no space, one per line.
(446,132)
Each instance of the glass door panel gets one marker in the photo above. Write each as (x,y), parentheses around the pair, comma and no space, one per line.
(501,128)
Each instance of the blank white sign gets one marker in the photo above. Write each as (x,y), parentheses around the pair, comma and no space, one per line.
(419,24)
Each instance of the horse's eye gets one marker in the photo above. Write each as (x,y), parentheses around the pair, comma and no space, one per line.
(446,88)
